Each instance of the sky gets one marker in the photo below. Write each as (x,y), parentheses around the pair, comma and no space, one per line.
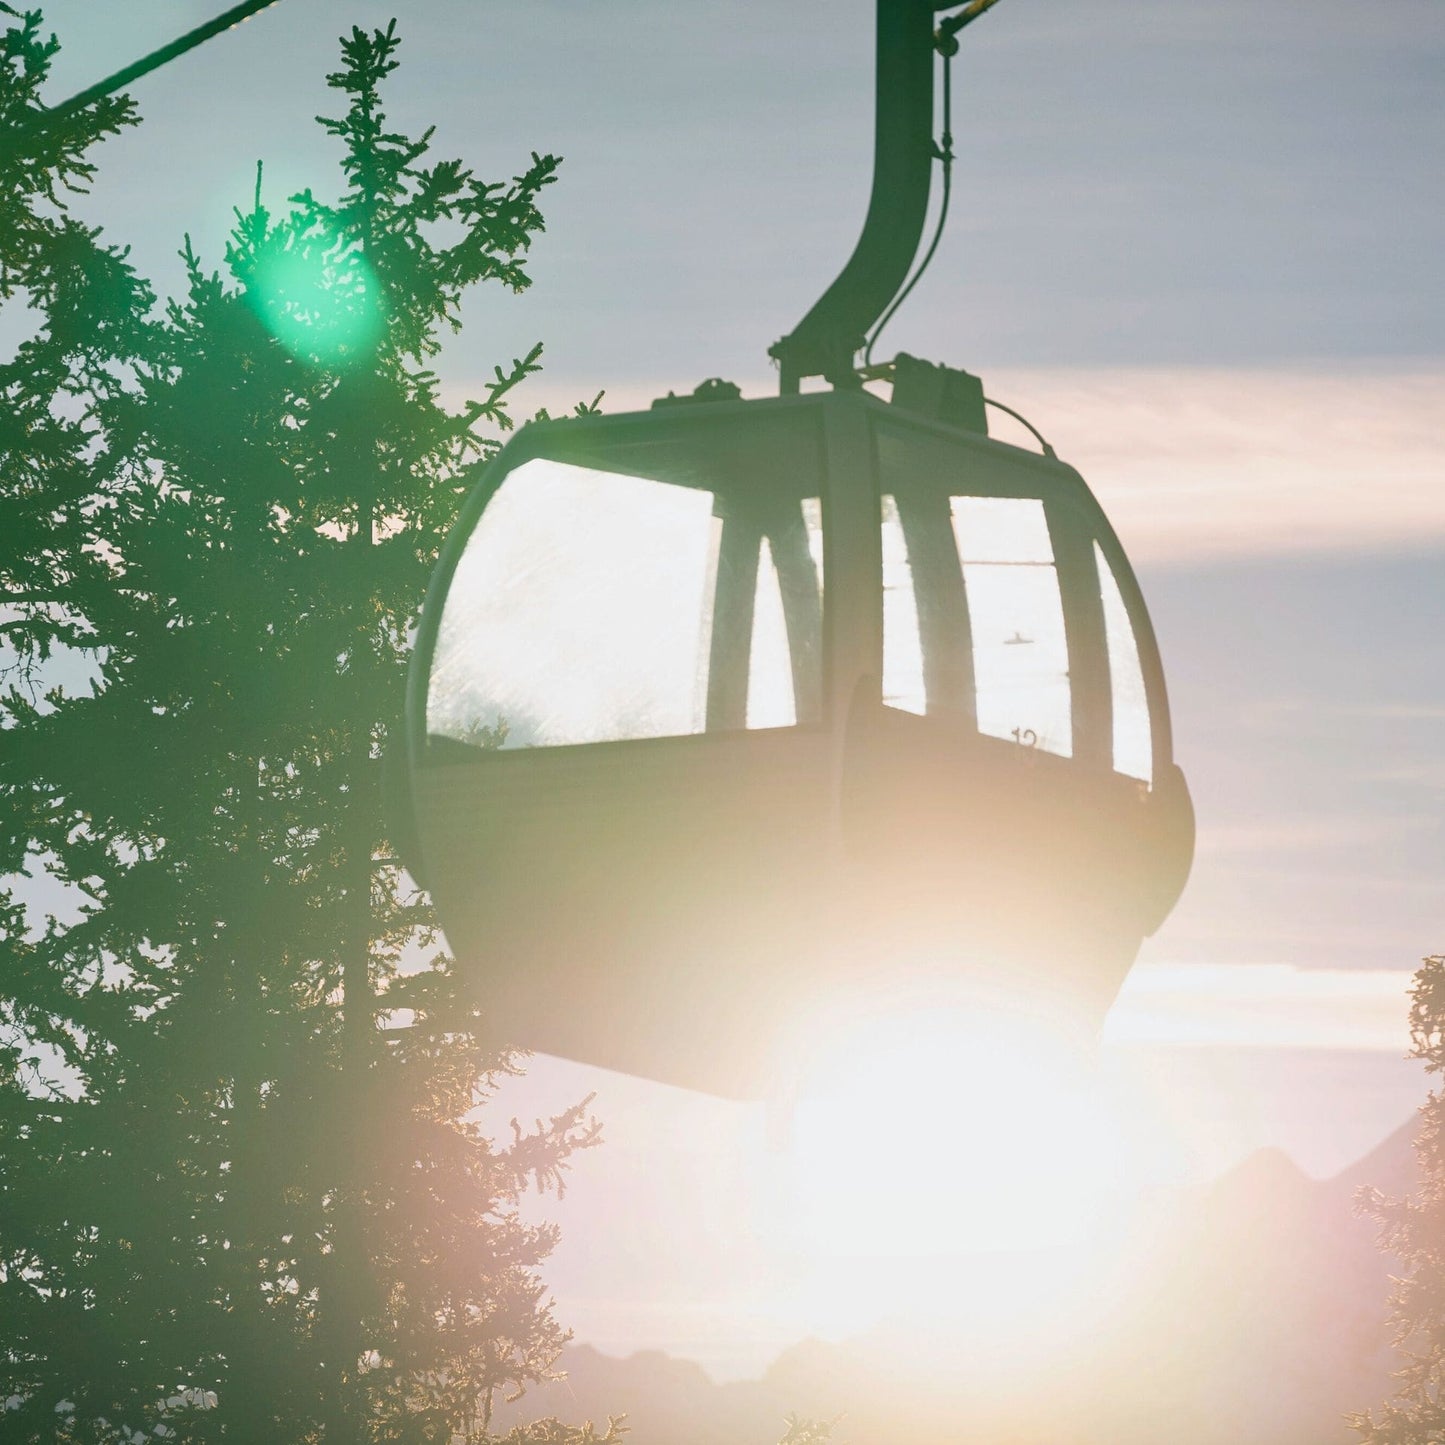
(1198,245)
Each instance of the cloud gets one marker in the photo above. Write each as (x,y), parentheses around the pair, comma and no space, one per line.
(1263,1006)
(1427,776)
(1288,838)
(1204,463)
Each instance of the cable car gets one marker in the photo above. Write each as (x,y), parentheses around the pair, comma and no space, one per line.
(724,709)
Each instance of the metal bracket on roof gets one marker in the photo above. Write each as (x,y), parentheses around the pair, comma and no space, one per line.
(713,389)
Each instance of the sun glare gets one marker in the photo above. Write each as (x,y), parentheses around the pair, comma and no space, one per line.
(962,1169)
(945,1134)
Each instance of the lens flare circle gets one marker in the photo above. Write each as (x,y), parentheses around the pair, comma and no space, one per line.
(321,304)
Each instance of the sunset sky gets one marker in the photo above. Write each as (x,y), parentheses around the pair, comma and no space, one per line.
(1198,245)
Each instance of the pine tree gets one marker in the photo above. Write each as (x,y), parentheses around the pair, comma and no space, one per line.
(245,1193)
(77,310)
(1413,1230)
(74,313)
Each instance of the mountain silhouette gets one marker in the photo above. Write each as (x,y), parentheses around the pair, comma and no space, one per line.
(1261,1318)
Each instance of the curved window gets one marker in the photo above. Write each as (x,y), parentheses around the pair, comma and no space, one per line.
(973,616)
(973,597)
(902,636)
(1016,618)
(593,605)
(1133,739)
(771,703)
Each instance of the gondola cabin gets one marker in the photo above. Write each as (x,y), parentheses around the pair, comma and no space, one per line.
(730,713)
(726,709)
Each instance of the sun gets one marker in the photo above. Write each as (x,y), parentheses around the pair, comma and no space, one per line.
(955,1164)
(992,1137)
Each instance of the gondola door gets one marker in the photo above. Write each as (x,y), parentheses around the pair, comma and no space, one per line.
(628,771)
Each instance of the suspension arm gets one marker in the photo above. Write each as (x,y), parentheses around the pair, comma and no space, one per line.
(825,341)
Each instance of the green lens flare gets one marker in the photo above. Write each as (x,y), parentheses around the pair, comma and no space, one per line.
(323,307)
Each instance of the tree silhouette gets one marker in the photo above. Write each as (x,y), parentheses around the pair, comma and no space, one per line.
(1413,1230)
(245,1194)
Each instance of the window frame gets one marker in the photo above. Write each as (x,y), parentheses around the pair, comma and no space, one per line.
(1075,522)
(741,434)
